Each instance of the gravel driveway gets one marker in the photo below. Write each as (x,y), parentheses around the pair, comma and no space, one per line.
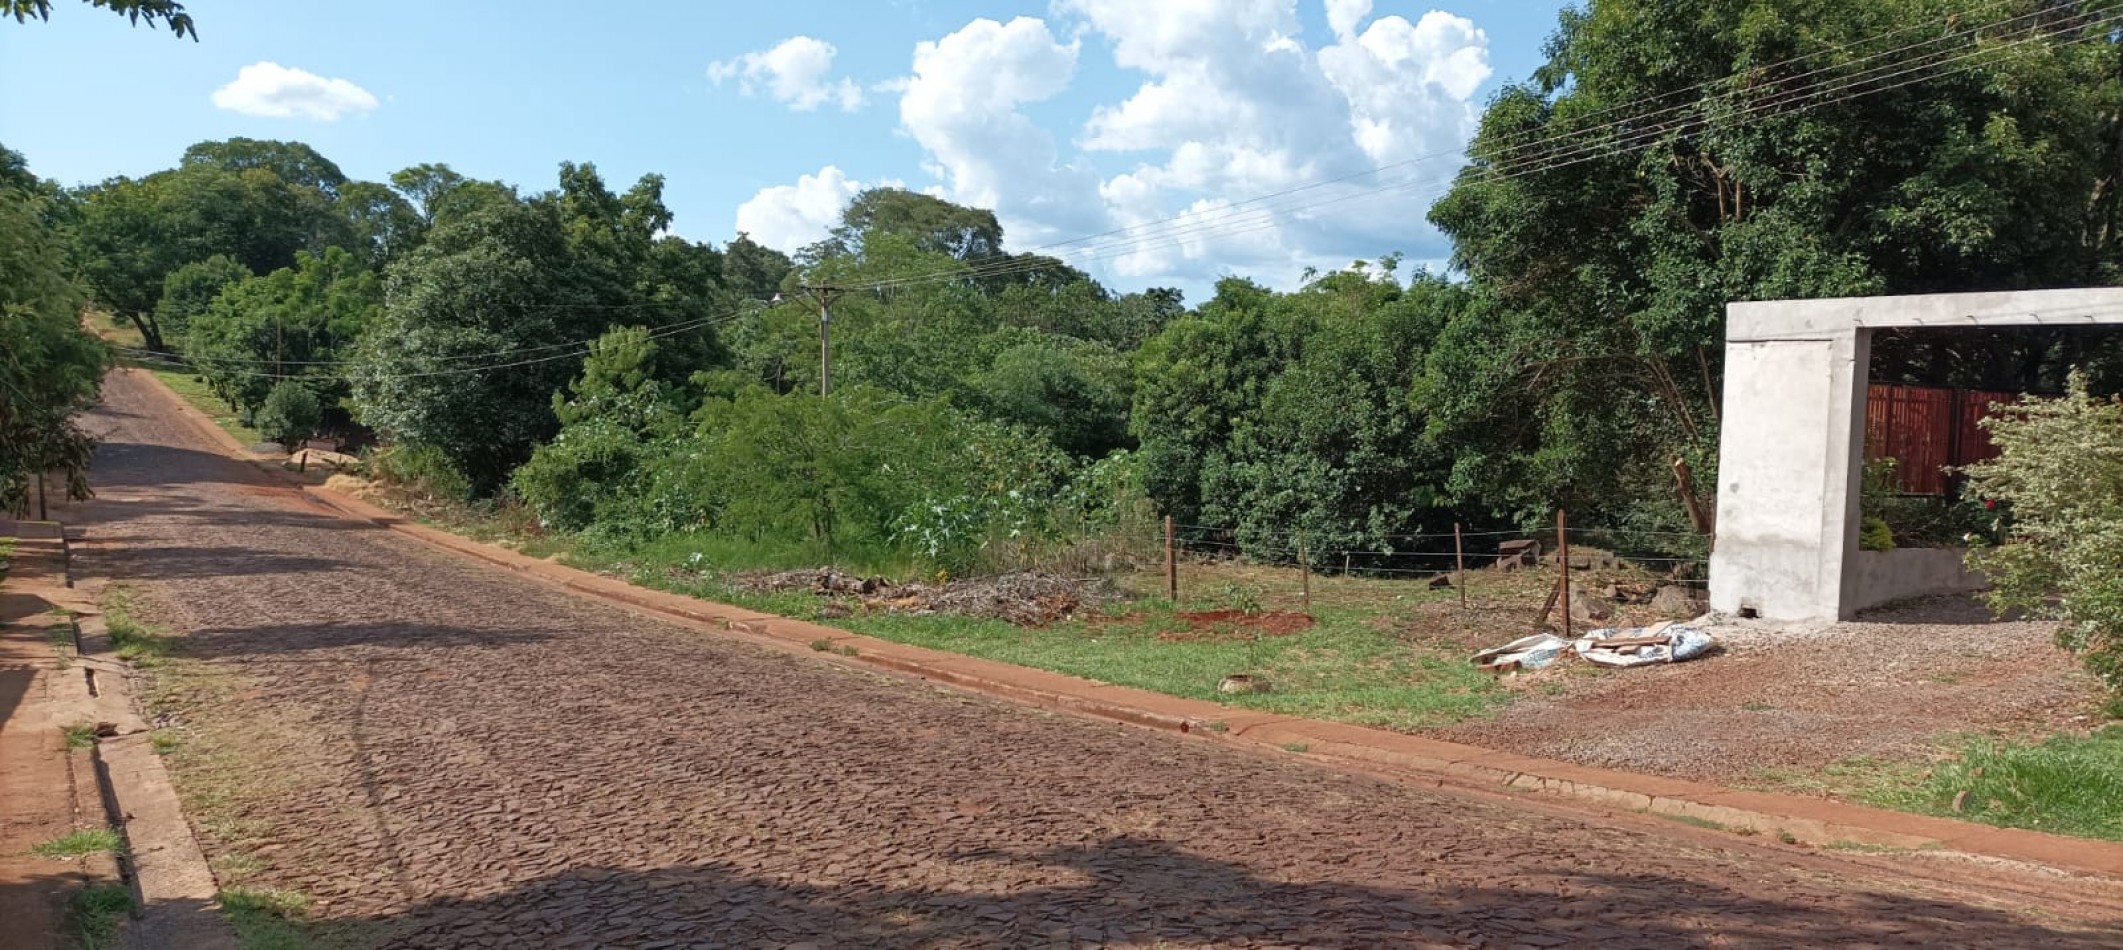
(455,757)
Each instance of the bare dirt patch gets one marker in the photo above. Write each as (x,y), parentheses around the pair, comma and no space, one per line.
(1803,697)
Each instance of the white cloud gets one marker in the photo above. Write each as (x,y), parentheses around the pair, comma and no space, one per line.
(274,91)
(962,105)
(797,73)
(1410,86)
(788,217)
(1236,105)
(1232,103)
(1344,15)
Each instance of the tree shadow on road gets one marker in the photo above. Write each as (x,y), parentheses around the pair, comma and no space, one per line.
(357,642)
(1145,892)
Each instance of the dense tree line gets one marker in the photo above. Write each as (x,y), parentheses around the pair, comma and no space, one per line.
(1666,159)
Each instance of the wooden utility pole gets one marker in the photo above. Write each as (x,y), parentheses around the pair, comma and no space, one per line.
(1459,558)
(1562,560)
(1171,564)
(824,294)
(1304,566)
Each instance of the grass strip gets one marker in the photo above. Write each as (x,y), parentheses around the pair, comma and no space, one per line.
(81,843)
(2070,785)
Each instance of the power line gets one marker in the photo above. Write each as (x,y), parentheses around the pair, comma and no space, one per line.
(1230,222)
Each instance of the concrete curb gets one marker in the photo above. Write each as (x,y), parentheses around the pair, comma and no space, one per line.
(1785,817)
(170,876)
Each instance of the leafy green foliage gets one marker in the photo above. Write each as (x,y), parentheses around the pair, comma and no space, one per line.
(133,234)
(1284,413)
(50,368)
(1595,361)
(290,414)
(189,290)
(2060,472)
(297,322)
(169,12)
(612,418)
(480,320)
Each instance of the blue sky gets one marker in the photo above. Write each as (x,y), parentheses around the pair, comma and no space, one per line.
(1070,118)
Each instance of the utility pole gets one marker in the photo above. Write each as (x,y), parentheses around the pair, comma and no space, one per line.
(824,294)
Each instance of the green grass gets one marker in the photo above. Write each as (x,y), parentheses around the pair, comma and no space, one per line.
(266,918)
(1345,668)
(134,642)
(80,735)
(2071,785)
(84,842)
(164,742)
(95,914)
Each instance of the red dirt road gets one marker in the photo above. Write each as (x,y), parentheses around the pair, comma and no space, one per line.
(453,756)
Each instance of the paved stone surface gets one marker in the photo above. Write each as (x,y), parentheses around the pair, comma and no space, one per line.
(485,762)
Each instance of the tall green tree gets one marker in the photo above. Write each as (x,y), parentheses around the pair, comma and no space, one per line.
(1609,247)
(133,233)
(50,368)
(297,323)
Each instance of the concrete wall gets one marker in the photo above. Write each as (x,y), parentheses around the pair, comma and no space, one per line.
(1787,485)
(1791,451)
(1883,577)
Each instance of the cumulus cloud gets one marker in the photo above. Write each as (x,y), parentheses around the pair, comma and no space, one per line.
(1410,86)
(788,217)
(274,91)
(1235,104)
(797,72)
(962,104)
(1232,103)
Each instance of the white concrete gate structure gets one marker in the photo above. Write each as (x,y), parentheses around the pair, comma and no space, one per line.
(1791,454)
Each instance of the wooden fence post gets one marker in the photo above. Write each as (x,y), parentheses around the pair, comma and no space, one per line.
(1459,557)
(1304,566)
(1562,560)
(1171,564)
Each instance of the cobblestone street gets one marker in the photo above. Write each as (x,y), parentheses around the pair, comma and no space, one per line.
(453,756)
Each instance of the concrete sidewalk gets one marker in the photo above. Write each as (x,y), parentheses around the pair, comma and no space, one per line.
(46,789)
(1404,757)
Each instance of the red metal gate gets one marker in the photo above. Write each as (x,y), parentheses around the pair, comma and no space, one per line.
(1928,430)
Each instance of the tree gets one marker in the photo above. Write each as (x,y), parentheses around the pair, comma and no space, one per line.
(931,223)
(170,13)
(611,418)
(50,368)
(293,162)
(297,322)
(499,280)
(384,225)
(189,290)
(1608,249)
(290,414)
(134,233)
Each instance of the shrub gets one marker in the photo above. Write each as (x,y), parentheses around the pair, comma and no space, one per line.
(291,414)
(2060,472)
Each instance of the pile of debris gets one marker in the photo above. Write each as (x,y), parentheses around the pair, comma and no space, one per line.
(1025,598)
(1634,646)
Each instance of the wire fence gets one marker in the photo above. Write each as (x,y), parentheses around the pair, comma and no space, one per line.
(1496,579)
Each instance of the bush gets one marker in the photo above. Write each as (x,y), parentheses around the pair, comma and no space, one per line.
(2060,472)
(291,413)
(421,470)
